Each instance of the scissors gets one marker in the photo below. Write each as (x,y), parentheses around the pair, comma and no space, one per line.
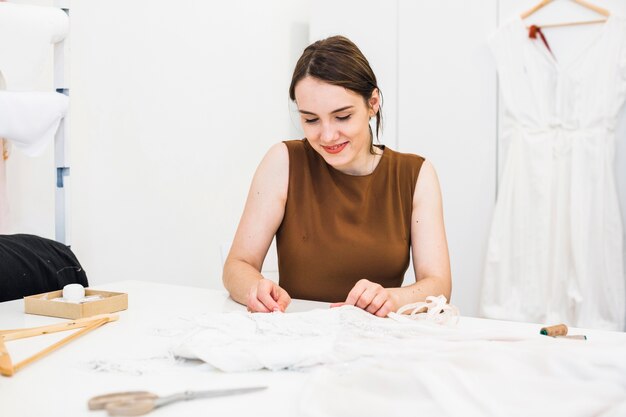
(136,403)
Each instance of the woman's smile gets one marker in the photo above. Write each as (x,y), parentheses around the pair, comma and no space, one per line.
(335,148)
(335,121)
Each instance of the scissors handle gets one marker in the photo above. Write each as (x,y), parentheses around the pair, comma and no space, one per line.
(101,401)
(138,405)
(131,407)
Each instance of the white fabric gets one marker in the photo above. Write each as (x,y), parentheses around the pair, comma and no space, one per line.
(555,251)
(26,33)
(379,366)
(548,377)
(241,341)
(30,119)
(238,341)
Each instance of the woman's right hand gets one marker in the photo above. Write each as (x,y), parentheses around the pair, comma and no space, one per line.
(266,297)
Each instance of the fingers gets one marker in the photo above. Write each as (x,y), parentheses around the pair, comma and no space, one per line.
(266,296)
(370,297)
(355,293)
(282,298)
(363,294)
(386,308)
(377,302)
(253,303)
(367,298)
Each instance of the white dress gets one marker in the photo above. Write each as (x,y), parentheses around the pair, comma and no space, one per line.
(555,247)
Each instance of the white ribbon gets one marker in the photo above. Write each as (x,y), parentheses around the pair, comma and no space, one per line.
(434,310)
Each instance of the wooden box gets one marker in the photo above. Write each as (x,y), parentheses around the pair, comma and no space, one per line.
(43,305)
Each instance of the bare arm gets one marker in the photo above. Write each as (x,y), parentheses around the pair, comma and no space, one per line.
(430,255)
(428,242)
(259,222)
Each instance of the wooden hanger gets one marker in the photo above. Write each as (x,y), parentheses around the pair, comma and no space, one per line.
(582,3)
(87,324)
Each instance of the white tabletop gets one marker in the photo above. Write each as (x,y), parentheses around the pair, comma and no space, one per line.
(61,383)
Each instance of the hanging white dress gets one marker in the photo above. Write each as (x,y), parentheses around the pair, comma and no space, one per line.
(555,251)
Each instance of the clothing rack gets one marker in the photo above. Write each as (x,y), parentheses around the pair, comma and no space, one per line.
(61,139)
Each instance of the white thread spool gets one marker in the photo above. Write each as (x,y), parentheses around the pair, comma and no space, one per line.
(73,292)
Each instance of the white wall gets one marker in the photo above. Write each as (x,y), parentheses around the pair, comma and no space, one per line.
(173,106)
(447,103)
(372,26)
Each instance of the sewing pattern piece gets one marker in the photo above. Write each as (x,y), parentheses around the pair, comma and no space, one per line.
(555,250)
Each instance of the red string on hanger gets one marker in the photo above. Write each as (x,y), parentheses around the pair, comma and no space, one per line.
(533,31)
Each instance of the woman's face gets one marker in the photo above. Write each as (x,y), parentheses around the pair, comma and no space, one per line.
(335,121)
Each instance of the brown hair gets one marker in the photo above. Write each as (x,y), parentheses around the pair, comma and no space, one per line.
(338,61)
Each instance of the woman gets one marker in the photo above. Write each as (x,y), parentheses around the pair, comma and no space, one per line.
(345,212)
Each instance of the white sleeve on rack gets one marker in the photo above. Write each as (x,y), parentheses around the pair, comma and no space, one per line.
(30,119)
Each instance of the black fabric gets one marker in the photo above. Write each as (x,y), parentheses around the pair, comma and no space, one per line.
(32,265)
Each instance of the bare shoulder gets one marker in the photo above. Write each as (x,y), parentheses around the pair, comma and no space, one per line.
(272,175)
(275,161)
(427,184)
(279,150)
(427,172)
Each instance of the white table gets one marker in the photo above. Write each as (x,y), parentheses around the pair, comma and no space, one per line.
(61,383)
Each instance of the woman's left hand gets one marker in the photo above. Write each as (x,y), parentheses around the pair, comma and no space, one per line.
(371,297)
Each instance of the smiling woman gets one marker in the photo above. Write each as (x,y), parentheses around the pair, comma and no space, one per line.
(346,213)
(341,135)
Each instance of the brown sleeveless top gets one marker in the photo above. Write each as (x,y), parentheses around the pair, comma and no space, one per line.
(340,228)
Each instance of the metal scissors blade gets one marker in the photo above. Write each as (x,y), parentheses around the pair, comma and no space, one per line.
(135,403)
(220,393)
